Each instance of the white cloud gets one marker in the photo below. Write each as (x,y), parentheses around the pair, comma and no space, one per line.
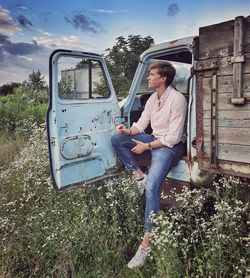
(70,39)
(109,11)
(8,25)
(21,7)
(49,40)
(46,41)
(18,69)
(25,58)
(47,33)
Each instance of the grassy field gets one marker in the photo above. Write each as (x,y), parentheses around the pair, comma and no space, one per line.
(93,231)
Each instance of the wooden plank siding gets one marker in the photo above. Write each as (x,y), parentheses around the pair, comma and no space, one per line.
(216,47)
(229,152)
(218,40)
(228,120)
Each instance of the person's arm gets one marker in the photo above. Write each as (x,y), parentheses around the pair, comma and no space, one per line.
(141,147)
(121,129)
(174,134)
(141,124)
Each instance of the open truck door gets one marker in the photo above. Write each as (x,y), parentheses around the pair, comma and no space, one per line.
(81,117)
(223,97)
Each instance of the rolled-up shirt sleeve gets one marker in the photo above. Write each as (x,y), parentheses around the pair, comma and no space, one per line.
(177,122)
(144,120)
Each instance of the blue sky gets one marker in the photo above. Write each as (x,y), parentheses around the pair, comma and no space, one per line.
(30,30)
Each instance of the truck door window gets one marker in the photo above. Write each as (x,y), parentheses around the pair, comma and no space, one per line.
(180,81)
(181,78)
(81,79)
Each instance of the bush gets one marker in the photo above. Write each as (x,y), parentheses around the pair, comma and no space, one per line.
(18,107)
(7,89)
(89,231)
(94,230)
(190,243)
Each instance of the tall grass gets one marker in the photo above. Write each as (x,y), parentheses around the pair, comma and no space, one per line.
(194,241)
(13,141)
(90,231)
(94,230)
(9,146)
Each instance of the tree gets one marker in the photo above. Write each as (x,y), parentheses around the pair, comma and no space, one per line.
(65,86)
(36,85)
(123,59)
(36,81)
(8,89)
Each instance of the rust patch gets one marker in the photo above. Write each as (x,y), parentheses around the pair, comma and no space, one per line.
(234,168)
(199,114)
(173,42)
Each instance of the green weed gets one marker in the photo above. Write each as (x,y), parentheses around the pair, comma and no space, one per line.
(191,243)
(94,230)
(89,231)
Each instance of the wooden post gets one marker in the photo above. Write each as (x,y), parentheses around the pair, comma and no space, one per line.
(237,60)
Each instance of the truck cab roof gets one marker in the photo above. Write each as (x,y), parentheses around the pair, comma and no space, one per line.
(161,49)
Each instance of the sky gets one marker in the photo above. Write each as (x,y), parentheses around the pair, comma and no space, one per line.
(31,29)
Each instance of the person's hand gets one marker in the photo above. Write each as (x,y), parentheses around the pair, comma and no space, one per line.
(140,147)
(121,129)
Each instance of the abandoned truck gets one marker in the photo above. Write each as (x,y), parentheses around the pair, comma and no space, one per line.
(213,73)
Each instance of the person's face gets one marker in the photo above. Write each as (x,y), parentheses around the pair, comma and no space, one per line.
(155,80)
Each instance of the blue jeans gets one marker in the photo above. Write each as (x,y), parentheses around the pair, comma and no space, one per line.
(162,161)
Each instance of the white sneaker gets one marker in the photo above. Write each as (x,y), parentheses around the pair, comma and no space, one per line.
(141,184)
(139,258)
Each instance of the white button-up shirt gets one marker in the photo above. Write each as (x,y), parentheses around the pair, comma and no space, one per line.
(167,116)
